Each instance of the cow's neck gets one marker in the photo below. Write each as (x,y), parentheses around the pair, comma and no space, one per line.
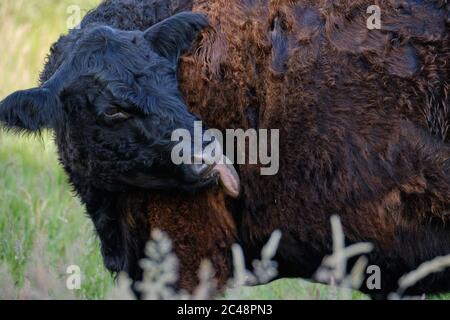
(201,227)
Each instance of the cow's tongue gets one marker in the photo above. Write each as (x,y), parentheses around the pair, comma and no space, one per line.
(228,177)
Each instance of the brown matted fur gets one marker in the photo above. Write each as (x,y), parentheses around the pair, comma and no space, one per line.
(363,116)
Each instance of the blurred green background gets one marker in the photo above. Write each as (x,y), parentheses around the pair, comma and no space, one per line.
(37,206)
(35,200)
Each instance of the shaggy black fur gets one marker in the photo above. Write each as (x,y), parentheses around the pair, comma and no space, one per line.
(112,98)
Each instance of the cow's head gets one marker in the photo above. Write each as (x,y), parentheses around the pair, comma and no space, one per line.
(114,103)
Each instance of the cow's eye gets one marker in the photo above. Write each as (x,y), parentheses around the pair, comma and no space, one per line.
(114,113)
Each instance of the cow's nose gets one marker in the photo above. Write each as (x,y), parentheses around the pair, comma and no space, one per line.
(202,170)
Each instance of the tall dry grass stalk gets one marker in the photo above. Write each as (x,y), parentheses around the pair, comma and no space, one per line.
(41,282)
(426,269)
(161,273)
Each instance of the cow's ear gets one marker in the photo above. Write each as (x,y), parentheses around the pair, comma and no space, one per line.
(173,36)
(30,110)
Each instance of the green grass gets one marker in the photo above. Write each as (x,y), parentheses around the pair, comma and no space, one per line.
(36,201)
